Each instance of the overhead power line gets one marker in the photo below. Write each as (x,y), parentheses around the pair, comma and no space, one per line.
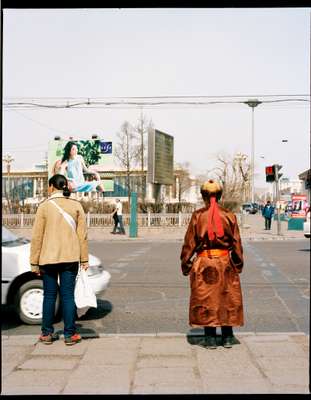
(146,102)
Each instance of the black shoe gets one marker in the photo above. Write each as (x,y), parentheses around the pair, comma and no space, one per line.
(210,342)
(227,342)
(113,233)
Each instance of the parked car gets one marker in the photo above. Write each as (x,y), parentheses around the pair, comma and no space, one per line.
(23,289)
(250,208)
(306,225)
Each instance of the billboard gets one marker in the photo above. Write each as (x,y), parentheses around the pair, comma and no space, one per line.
(298,205)
(81,161)
(160,157)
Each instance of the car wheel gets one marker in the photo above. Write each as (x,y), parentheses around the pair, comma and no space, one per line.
(29,301)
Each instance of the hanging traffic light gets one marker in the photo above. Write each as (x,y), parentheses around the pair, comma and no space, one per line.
(270,177)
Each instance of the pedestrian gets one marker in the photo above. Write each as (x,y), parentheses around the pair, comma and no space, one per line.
(120,217)
(213,242)
(58,245)
(267,213)
(115,220)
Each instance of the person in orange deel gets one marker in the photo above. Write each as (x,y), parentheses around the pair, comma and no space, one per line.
(212,254)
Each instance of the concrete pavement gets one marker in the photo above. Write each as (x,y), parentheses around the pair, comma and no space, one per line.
(156,364)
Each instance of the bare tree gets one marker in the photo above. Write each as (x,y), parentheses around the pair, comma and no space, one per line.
(126,152)
(184,179)
(233,173)
(141,129)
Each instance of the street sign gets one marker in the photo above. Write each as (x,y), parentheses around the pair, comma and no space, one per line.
(160,157)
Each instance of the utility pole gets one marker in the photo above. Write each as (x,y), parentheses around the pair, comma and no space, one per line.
(252,103)
(277,193)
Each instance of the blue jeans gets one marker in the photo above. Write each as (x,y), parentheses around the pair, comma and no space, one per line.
(67,273)
(120,218)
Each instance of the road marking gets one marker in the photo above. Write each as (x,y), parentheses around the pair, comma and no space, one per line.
(118,265)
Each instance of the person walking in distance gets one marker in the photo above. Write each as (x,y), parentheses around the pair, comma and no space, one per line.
(120,216)
(212,255)
(267,213)
(58,245)
(115,220)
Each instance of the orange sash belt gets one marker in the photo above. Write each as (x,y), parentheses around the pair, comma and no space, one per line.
(213,253)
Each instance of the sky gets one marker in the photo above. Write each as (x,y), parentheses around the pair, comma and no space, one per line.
(98,53)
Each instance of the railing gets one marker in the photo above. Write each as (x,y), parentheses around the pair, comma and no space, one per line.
(151,220)
(105,220)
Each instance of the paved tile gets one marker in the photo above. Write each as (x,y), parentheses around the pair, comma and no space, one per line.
(277,349)
(165,346)
(31,390)
(166,389)
(165,376)
(93,379)
(234,386)
(109,357)
(31,382)
(290,389)
(152,361)
(49,363)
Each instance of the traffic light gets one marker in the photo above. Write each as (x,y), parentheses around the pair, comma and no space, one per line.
(270,177)
(277,175)
(272,173)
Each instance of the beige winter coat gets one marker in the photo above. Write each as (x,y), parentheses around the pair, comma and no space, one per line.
(53,239)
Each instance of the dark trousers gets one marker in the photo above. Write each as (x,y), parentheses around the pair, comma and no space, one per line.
(67,273)
(225,331)
(268,223)
(120,217)
(116,222)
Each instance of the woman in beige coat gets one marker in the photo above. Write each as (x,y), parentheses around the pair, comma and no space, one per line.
(216,297)
(58,245)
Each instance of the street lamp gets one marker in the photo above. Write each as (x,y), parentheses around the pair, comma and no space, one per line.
(8,159)
(252,103)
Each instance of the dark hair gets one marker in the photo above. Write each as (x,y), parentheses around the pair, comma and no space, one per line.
(67,150)
(60,183)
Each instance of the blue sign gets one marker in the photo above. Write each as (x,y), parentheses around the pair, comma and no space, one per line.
(106,147)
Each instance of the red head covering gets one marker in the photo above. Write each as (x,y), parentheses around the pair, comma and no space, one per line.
(214,224)
(213,219)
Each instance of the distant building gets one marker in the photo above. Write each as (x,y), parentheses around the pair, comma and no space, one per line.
(31,186)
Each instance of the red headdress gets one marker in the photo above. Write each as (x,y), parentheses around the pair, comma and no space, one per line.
(214,224)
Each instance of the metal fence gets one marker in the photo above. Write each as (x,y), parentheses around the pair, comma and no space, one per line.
(102,220)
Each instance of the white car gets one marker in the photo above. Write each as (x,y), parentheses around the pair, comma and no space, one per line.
(306,226)
(23,289)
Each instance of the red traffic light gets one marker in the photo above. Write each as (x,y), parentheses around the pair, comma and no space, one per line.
(269,170)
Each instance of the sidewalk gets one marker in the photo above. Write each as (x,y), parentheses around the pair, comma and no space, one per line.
(253,229)
(156,364)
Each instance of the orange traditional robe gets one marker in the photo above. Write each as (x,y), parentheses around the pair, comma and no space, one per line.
(216,296)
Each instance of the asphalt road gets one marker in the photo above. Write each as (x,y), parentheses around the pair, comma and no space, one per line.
(149,294)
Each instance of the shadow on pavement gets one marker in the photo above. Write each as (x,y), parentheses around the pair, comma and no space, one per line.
(308,250)
(104,308)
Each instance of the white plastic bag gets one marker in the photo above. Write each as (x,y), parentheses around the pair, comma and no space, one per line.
(84,295)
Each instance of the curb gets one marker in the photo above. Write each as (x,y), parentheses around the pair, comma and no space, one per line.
(160,335)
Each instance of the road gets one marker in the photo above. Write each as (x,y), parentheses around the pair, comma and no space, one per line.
(149,294)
